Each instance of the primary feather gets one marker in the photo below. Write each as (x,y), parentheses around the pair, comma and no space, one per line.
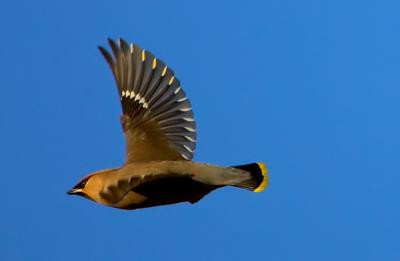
(157,116)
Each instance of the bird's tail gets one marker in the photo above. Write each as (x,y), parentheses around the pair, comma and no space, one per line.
(258,180)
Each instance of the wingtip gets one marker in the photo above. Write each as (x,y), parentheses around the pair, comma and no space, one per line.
(101,48)
(123,45)
(107,56)
(122,40)
(112,43)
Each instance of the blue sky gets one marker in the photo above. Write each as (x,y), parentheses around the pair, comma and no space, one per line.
(309,87)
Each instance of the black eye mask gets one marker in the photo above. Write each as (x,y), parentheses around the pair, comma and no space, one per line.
(81,184)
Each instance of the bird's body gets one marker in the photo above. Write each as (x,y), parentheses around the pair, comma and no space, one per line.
(160,132)
(146,184)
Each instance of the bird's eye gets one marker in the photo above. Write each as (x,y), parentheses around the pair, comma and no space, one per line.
(81,184)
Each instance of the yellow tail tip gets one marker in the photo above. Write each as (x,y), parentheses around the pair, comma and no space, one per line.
(264,172)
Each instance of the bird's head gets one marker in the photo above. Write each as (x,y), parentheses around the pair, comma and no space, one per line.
(90,186)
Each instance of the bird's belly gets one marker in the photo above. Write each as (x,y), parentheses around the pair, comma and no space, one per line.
(164,193)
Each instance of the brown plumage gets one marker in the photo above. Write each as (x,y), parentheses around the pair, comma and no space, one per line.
(160,132)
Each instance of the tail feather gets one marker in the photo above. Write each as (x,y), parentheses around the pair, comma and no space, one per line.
(258,177)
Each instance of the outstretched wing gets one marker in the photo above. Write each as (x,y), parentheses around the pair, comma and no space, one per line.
(157,116)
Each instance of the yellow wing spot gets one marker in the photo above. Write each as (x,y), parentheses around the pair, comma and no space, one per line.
(143,55)
(154,63)
(264,172)
(171,80)
(164,71)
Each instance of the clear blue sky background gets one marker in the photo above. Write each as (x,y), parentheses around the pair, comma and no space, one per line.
(310,87)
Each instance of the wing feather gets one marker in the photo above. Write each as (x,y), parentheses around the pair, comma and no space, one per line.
(157,118)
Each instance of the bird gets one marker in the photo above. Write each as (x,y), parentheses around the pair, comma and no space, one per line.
(160,132)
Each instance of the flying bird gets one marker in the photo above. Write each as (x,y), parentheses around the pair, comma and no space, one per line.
(160,132)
